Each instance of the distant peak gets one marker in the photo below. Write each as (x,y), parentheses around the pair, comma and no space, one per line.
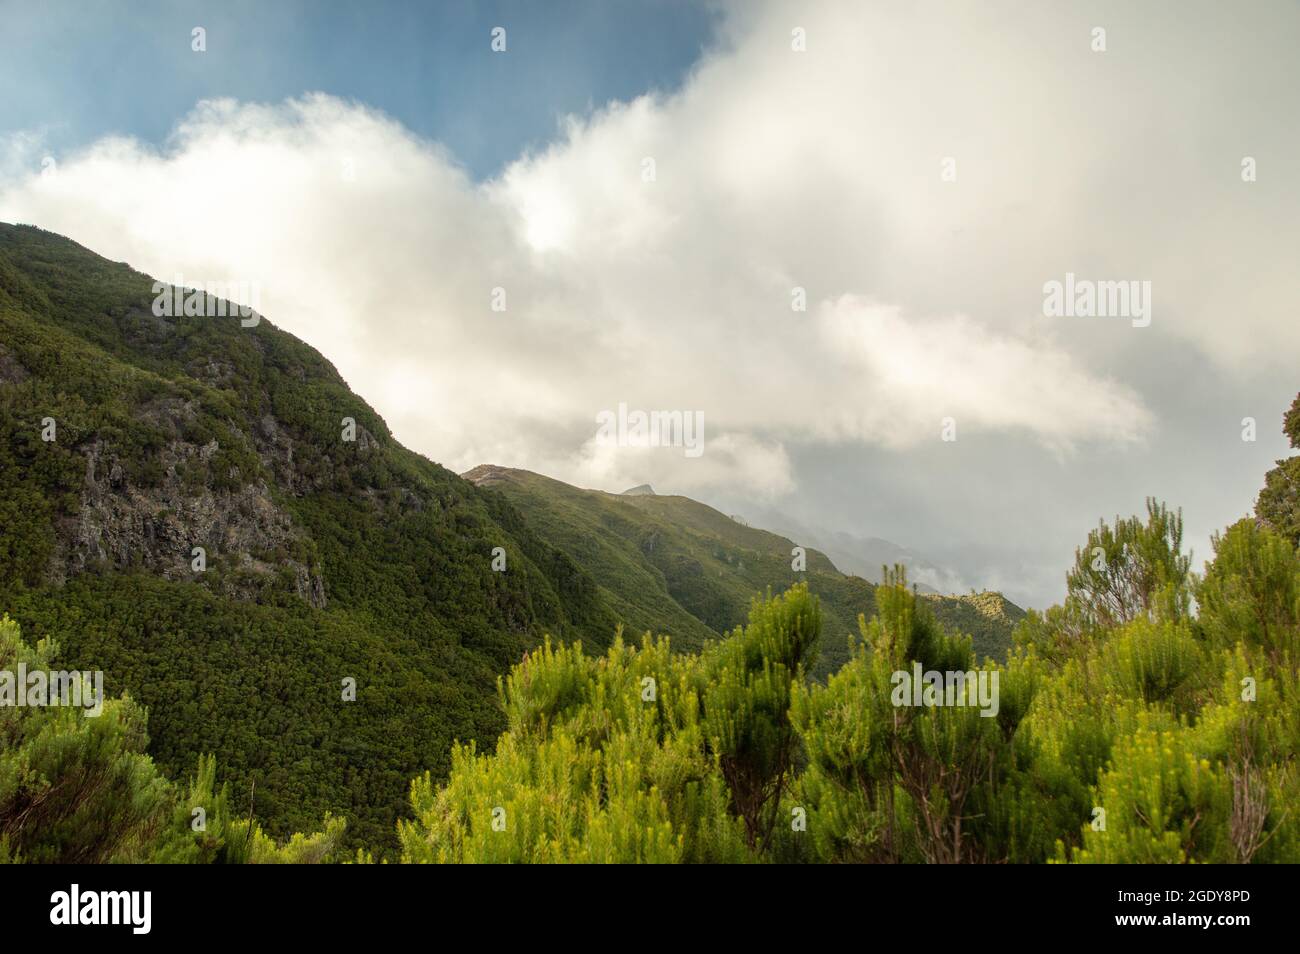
(641,490)
(486,474)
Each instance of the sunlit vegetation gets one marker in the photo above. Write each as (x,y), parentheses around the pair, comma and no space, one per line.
(648,681)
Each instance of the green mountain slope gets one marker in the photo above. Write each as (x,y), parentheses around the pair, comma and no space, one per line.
(128,440)
(677,566)
(326,559)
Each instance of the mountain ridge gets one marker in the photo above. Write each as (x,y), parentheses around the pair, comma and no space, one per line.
(209,515)
(686,563)
(323,559)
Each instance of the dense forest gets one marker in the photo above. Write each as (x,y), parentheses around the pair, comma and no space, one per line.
(644,680)
(1127,729)
(326,559)
(1152,717)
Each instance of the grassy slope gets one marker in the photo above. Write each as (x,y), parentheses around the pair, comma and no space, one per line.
(675,565)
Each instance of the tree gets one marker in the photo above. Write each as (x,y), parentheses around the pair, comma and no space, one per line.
(79,789)
(747,704)
(73,788)
(642,754)
(1279,502)
(1135,568)
(886,782)
(1251,591)
(1130,570)
(604,760)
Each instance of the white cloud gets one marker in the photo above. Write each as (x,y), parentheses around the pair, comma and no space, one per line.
(773,169)
(924,371)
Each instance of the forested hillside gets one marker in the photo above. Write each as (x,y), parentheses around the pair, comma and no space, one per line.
(311,652)
(674,566)
(128,439)
(1125,728)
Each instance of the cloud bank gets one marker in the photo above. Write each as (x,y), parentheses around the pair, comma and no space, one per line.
(915,176)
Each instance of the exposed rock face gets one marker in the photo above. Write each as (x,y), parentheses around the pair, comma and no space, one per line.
(275,448)
(156,524)
(485,475)
(11,372)
(149,509)
(640,490)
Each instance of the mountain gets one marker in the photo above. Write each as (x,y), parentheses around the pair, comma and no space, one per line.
(677,566)
(127,440)
(204,511)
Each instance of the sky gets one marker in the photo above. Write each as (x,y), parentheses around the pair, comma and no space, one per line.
(826,230)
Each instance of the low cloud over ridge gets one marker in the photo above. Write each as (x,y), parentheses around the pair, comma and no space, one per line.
(772,170)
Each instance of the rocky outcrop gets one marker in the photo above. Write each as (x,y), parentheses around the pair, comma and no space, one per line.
(11,372)
(486,475)
(156,524)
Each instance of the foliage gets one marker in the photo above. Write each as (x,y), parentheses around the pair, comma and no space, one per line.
(672,565)
(1153,717)
(1132,570)
(643,754)
(1279,502)
(200,412)
(1163,736)
(591,768)
(77,787)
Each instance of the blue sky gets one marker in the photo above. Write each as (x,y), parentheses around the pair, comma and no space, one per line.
(79,71)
